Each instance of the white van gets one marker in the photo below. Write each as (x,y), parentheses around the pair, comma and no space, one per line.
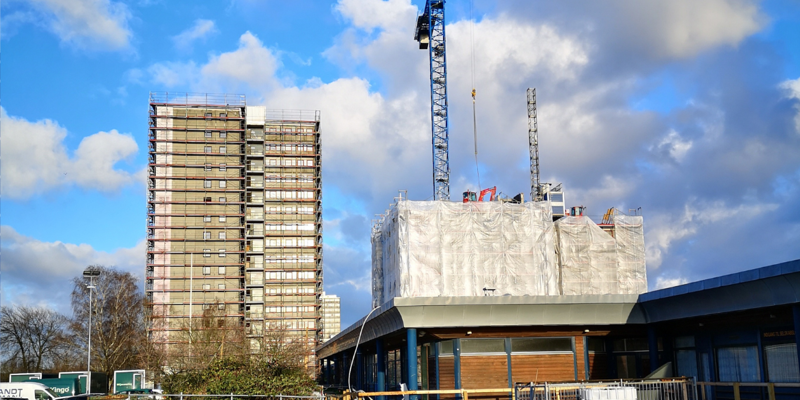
(27,390)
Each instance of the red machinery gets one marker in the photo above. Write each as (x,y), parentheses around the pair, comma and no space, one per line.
(471,196)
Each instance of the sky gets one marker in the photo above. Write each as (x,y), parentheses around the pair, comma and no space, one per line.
(688,110)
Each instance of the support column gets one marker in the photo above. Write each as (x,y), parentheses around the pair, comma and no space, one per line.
(326,371)
(359,370)
(652,347)
(507,348)
(411,363)
(380,385)
(796,314)
(457,363)
(343,369)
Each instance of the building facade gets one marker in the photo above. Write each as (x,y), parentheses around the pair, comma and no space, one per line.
(234,218)
(742,327)
(331,316)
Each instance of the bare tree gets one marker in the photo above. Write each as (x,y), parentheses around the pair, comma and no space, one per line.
(205,339)
(32,338)
(118,329)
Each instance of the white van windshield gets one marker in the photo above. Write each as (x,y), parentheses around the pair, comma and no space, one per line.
(46,394)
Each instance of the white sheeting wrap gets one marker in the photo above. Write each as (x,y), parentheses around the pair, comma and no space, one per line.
(631,268)
(437,248)
(593,262)
(587,256)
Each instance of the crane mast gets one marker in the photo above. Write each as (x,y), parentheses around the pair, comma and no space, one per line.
(533,146)
(430,35)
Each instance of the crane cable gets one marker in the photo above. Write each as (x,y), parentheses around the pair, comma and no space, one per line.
(474,114)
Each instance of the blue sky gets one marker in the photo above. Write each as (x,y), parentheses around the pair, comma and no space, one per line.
(690,111)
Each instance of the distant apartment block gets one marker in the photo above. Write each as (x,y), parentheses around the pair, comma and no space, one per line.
(234,217)
(331,316)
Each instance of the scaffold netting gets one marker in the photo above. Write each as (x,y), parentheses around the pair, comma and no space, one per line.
(445,249)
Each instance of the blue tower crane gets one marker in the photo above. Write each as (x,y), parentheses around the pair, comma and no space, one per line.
(430,35)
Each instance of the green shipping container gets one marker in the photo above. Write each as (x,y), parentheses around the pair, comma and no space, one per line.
(128,380)
(24,377)
(80,376)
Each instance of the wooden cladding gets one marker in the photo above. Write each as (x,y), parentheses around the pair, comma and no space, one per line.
(540,368)
(481,372)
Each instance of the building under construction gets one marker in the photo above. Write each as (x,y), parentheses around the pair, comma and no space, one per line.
(500,248)
(234,217)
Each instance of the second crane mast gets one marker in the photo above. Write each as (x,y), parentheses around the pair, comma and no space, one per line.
(533,146)
(430,35)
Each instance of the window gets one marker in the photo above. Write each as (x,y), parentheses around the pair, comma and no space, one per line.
(782,362)
(223,149)
(206,235)
(223,135)
(543,345)
(738,364)
(206,286)
(222,235)
(222,199)
(221,218)
(223,115)
(223,167)
(208,134)
(207,199)
(207,253)
(596,345)
(207,218)
(223,184)
(220,306)
(208,167)
(206,307)
(207,149)
(207,184)
(221,270)
(222,252)
(206,270)
(221,286)
(208,114)
(482,346)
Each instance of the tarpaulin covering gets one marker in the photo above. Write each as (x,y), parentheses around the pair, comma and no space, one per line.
(436,248)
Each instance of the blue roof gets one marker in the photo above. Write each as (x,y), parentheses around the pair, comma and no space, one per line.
(725,280)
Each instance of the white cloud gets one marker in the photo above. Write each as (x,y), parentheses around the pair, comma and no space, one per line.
(36,271)
(664,229)
(382,14)
(679,29)
(251,66)
(201,29)
(674,146)
(91,24)
(792,88)
(663,283)
(35,159)
(609,189)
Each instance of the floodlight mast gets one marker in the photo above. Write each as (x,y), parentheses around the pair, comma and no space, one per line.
(90,272)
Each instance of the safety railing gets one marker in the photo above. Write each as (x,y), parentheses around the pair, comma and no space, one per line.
(747,390)
(231,396)
(463,394)
(663,389)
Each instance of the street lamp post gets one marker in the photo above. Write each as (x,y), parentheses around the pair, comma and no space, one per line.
(91,272)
